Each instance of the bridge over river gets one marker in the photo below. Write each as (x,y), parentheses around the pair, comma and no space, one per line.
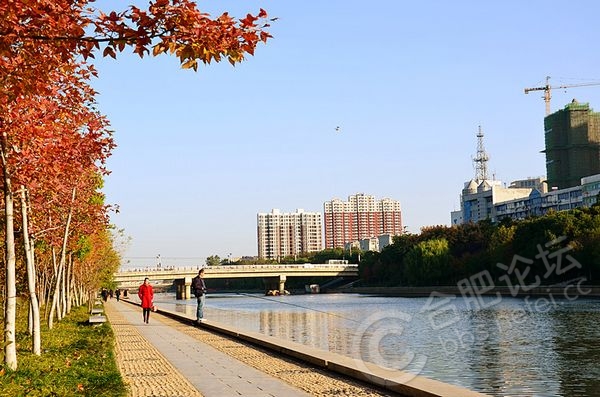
(273,275)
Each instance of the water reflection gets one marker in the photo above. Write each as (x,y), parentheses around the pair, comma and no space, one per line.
(510,348)
(512,352)
(577,340)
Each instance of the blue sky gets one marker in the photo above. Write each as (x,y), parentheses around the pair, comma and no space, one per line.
(200,154)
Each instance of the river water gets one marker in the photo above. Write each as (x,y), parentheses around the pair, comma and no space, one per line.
(502,346)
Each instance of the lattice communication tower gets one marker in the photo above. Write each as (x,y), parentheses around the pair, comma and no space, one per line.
(480,161)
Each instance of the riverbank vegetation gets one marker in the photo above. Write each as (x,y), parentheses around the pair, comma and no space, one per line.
(77,359)
(552,249)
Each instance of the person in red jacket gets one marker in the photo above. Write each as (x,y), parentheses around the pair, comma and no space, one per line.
(146,295)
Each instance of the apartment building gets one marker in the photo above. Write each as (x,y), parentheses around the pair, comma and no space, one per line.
(287,234)
(478,197)
(540,203)
(361,217)
(537,202)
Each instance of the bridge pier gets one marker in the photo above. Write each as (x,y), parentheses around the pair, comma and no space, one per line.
(275,283)
(183,288)
(282,278)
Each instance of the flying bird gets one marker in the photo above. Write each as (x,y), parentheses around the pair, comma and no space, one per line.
(337,129)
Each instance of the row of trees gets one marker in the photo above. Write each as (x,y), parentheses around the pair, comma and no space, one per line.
(58,243)
(551,249)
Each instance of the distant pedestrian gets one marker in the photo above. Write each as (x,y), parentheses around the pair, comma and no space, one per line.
(146,295)
(199,289)
(118,294)
(104,294)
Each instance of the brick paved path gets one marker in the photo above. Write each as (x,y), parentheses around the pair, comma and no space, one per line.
(144,369)
(168,358)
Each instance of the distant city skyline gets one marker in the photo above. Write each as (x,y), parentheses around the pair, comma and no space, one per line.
(384,98)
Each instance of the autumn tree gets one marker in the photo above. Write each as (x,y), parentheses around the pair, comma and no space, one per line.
(43,48)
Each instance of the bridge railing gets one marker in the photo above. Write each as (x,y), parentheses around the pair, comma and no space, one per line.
(242,267)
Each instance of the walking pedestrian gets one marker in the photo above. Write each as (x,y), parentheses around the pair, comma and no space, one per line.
(118,294)
(146,295)
(199,289)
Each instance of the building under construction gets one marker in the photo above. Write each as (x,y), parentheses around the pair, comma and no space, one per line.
(572,151)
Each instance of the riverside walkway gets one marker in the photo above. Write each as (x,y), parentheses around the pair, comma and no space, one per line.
(156,359)
(174,357)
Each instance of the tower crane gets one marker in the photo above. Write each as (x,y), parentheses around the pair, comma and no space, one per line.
(547,90)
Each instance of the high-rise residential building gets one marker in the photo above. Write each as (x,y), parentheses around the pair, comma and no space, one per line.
(288,234)
(361,217)
(572,138)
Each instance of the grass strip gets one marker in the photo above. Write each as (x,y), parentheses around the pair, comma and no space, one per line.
(77,359)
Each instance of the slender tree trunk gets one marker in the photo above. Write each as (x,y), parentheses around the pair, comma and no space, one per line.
(42,284)
(61,266)
(29,260)
(50,281)
(30,319)
(69,284)
(54,299)
(63,289)
(10,308)
(75,293)
(55,296)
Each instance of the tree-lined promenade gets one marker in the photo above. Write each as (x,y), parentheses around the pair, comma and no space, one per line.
(58,241)
(59,245)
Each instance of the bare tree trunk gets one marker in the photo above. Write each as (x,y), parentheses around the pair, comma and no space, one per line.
(75,294)
(63,289)
(30,319)
(47,288)
(29,260)
(10,308)
(61,265)
(42,284)
(54,298)
(70,283)
(50,277)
